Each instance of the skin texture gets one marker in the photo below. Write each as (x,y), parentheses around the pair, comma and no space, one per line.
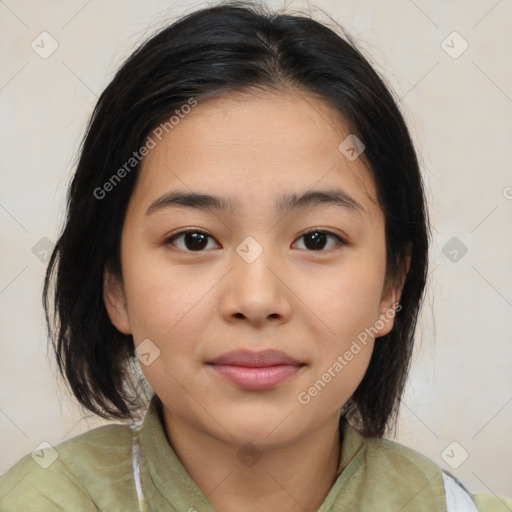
(197,305)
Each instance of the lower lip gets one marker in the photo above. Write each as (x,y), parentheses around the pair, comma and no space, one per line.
(256,378)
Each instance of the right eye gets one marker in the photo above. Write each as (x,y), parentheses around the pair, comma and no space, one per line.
(193,240)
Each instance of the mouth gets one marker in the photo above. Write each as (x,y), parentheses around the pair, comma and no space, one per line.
(256,370)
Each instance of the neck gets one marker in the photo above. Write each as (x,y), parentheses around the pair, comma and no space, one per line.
(293,478)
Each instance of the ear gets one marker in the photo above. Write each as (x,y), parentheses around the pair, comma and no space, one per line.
(389,304)
(115,302)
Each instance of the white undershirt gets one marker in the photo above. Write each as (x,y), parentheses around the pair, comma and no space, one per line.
(457,499)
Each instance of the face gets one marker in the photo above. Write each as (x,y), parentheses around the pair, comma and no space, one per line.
(259,273)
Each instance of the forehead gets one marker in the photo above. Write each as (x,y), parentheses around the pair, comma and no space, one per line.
(254,145)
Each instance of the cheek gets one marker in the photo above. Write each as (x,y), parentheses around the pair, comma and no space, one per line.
(343,354)
(335,382)
(347,299)
(171,314)
(162,301)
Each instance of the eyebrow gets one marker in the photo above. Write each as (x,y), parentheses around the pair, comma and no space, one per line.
(285,203)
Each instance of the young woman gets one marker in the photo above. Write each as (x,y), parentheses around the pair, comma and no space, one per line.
(247,224)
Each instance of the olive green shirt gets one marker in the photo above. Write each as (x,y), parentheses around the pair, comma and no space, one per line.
(119,468)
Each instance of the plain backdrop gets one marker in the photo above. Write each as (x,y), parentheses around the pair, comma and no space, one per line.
(448,63)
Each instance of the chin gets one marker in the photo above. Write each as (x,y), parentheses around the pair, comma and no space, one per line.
(263,426)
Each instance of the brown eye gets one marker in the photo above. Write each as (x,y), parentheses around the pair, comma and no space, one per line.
(316,240)
(193,240)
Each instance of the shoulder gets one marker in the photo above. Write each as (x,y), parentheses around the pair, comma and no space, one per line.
(73,475)
(491,503)
(406,464)
(459,498)
(401,460)
(379,474)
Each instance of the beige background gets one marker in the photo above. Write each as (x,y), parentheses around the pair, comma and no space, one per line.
(459,111)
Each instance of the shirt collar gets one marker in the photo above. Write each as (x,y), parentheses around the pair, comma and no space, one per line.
(163,472)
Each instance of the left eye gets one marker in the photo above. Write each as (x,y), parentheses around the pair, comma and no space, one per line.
(196,240)
(317,238)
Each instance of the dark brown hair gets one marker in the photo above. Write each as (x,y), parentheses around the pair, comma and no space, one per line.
(234,47)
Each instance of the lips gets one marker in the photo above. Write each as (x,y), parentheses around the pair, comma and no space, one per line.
(255,370)
(251,359)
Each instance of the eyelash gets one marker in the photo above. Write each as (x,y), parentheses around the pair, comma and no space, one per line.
(341,241)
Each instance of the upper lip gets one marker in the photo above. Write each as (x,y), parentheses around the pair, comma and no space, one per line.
(254,359)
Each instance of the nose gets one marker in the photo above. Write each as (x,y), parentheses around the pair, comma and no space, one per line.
(256,288)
